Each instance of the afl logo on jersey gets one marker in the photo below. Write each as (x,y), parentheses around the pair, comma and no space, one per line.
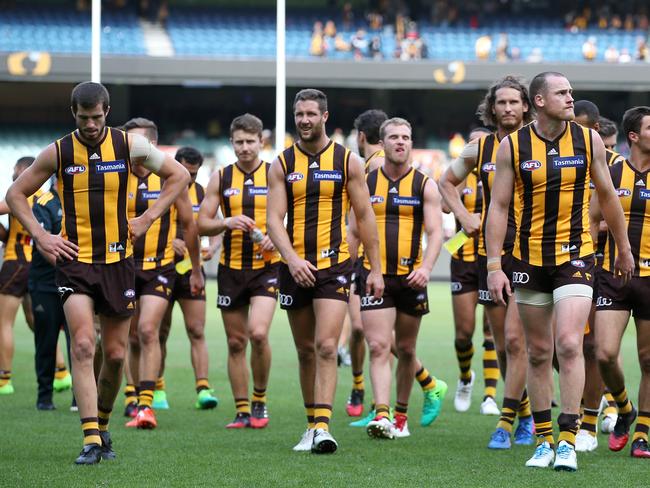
(530,165)
(75,169)
(623,192)
(294,177)
(376,199)
(488,167)
(467,191)
(230,192)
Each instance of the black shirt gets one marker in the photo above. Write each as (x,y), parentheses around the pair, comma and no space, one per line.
(48,213)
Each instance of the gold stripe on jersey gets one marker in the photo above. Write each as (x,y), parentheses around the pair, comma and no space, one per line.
(472,198)
(19,242)
(317,203)
(93,184)
(244,193)
(399,211)
(612,157)
(552,186)
(377,154)
(154,249)
(633,189)
(196,193)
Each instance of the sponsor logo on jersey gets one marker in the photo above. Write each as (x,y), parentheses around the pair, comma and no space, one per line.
(75,169)
(561,162)
(530,165)
(406,201)
(258,190)
(130,293)
(488,167)
(578,263)
(623,192)
(294,177)
(322,175)
(150,195)
(231,192)
(376,199)
(644,194)
(118,166)
(116,247)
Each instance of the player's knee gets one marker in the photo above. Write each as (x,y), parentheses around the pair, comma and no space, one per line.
(514,346)
(147,334)
(644,362)
(606,357)
(114,356)
(83,349)
(539,355)
(379,348)
(406,350)
(568,347)
(195,331)
(259,339)
(306,353)
(236,345)
(327,349)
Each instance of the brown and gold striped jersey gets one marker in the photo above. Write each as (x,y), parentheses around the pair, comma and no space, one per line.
(154,249)
(372,157)
(612,157)
(93,185)
(552,186)
(633,189)
(317,197)
(399,211)
(486,167)
(243,193)
(19,242)
(196,193)
(472,198)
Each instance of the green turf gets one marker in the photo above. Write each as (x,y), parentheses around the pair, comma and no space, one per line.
(192,448)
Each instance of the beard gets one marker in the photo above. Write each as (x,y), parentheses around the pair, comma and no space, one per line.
(314,135)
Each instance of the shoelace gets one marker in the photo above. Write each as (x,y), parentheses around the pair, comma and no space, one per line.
(564,451)
(542,451)
(500,435)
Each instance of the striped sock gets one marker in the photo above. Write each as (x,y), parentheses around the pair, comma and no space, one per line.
(259,395)
(464,356)
(309,410)
(590,421)
(382,410)
(5,377)
(357,381)
(103,416)
(427,382)
(401,409)
(523,412)
(243,406)
(60,372)
(568,423)
(130,394)
(508,413)
(490,369)
(202,384)
(145,398)
(642,425)
(322,416)
(90,428)
(622,401)
(544,426)
(610,409)
(160,383)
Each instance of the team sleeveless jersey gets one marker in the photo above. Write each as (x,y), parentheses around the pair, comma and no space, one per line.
(486,167)
(19,242)
(196,193)
(244,193)
(93,184)
(154,249)
(399,211)
(633,189)
(552,186)
(472,198)
(612,157)
(317,198)
(373,156)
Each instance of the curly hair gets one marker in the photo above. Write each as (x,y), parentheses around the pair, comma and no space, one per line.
(486,107)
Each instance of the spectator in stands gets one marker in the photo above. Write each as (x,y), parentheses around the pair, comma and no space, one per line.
(628,24)
(483,47)
(360,44)
(375,48)
(535,55)
(611,54)
(643,23)
(589,49)
(348,16)
(503,51)
(375,21)
(515,54)
(616,22)
(625,56)
(642,53)
(330,29)
(318,46)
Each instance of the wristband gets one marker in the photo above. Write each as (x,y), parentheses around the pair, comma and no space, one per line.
(493,264)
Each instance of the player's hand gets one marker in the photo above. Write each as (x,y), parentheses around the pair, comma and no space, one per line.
(375,284)
(497,282)
(197,283)
(207,253)
(240,222)
(49,257)
(419,278)
(471,225)
(179,247)
(266,245)
(302,272)
(56,246)
(624,266)
(139,226)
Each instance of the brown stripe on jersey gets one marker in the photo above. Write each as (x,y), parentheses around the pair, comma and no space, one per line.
(417,189)
(311,206)
(248,209)
(340,155)
(120,145)
(288,164)
(579,147)
(616,172)
(66,188)
(141,206)
(392,228)
(200,193)
(96,205)
(226,182)
(163,235)
(485,149)
(636,217)
(551,203)
(524,153)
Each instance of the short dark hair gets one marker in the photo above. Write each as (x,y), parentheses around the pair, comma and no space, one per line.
(590,109)
(190,155)
(313,95)
(539,83)
(248,123)
(88,95)
(606,127)
(25,161)
(142,123)
(632,120)
(484,110)
(369,123)
(393,121)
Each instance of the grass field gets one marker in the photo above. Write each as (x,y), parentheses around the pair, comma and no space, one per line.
(192,448)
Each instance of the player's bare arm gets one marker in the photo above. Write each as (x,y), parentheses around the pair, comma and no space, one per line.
(191,238)
(453,176)
(301,270)
(611,209)
(498,222)
(26,185)
(595,217)
(366,223)
(4,208)
(419,277)
(175,179)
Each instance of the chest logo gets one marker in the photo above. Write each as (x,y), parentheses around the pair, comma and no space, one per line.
(230,192)
(323,175)
(118,166)
(569,162)
(294,177)
(75,169)
(530,165)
